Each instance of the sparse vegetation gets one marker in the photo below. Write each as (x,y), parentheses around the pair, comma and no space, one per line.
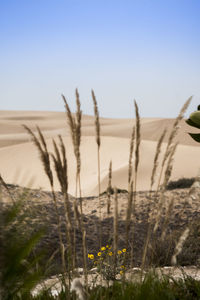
(148,238)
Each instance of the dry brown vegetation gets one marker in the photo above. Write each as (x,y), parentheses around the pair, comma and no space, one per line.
(143,228)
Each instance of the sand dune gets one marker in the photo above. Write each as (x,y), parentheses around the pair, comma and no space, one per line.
(20,163)
(54,123)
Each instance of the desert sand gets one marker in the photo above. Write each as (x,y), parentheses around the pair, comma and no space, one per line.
(20,163)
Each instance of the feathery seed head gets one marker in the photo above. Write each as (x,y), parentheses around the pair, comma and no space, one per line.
(97,122)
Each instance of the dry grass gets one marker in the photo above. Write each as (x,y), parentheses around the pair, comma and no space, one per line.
(60,163)
(172,136)
(109,188)
(98,141)
(45,158)
(155,166)
(130,163)
(179,245)
(115,229)
(75,128)
(137,137)
(128,212)
(137,140)
(167,164)
(155,162)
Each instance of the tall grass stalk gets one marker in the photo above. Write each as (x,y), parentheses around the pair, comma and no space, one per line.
(130,164)
(115,224)
(72,126)
(78,143)
(75,128)
(109,188)
(155,162)
(138,140)
(45,158)
(128,212)
(172,136)
(179,245)
(168,172)
(60,165)
(167,219)
(98,141)
(169,165)
(137,157)
(149,230)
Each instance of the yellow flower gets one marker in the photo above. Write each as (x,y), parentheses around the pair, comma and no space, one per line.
(107,246)
(122,267)
(88,255)
(91,256)
(99,253)
(124,250)
(121,272)
(119,252)
(110,253)
(103,248)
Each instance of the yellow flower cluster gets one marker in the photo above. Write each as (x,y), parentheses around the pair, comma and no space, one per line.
(104,262)
(110,253)
(120,251)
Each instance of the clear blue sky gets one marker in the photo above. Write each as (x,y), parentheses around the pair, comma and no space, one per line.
(147,50)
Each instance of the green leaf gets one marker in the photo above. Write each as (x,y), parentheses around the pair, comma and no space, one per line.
(191,123)
(195,136)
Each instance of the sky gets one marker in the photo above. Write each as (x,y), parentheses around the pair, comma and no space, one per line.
(147,50)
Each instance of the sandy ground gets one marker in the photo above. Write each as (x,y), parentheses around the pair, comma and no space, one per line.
(20,163)
(40,212)
(94,279)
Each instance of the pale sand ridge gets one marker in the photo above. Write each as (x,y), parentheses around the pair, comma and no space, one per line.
(20,163)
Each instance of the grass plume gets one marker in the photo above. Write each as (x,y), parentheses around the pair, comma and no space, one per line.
(97,122)
(138,140)
(130,165)
(45,158)
(172,136)
(155,162)
(98,141)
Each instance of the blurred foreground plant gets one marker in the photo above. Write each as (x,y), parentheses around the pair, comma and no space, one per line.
(194,120)
(19,264)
